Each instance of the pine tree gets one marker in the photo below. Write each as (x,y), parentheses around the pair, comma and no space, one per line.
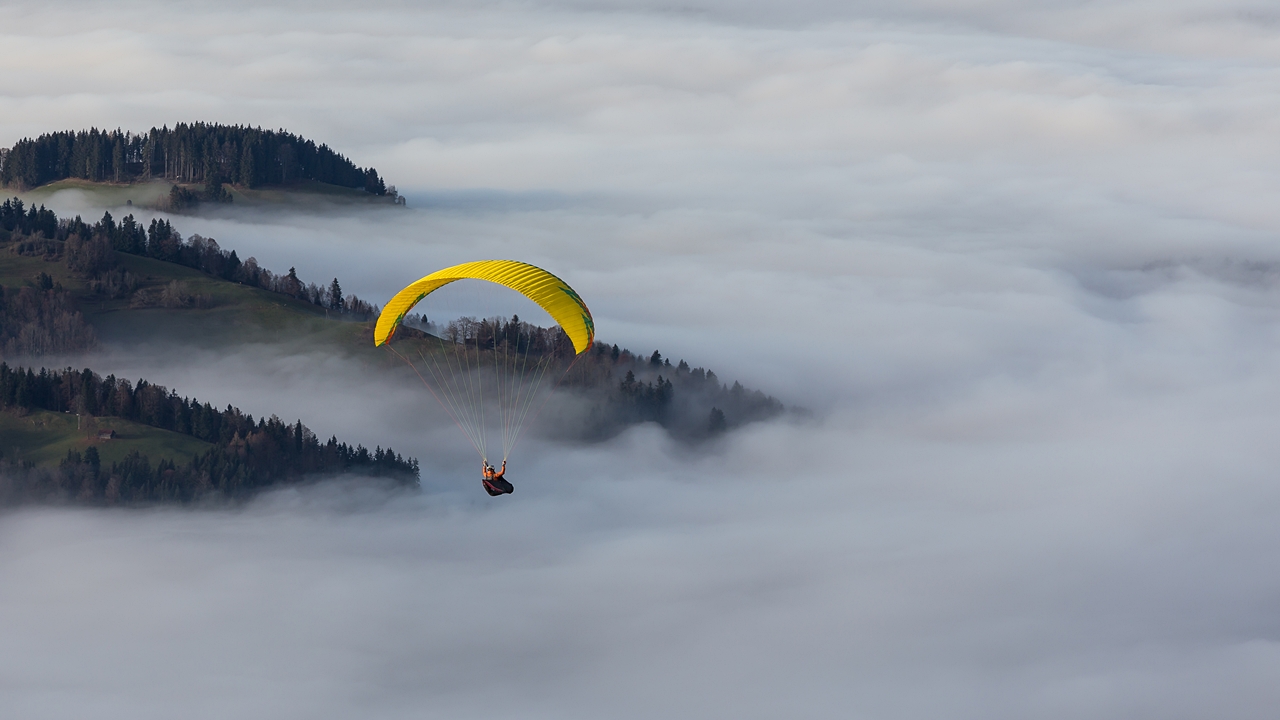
(373,183)
(716,422)
(335,296)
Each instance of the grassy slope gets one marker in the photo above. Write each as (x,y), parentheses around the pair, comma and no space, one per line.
(103,194)
(240,314)
(44,438)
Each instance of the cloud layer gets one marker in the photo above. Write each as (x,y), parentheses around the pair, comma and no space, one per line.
(1020,261)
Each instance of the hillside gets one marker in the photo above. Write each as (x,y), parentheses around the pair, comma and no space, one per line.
(44,438)
(164,448)
(116,282)
(234,313)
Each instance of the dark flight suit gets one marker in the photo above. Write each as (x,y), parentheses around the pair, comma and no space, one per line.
(494,483)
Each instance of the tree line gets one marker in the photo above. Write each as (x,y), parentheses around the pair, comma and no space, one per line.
(88,251)
(690,402)
(497,335)
(43,319)
(15,217)
(207,153)
(246,456)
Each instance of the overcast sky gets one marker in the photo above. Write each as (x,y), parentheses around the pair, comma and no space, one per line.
(1019,259)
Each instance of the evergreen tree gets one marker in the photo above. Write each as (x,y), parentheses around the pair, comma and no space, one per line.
(373,183)
(335,295)
(716,423)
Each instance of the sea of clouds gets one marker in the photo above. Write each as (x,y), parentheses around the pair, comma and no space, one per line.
(1018,260)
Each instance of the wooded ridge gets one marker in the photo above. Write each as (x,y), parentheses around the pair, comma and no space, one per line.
(247,455)
(206,153)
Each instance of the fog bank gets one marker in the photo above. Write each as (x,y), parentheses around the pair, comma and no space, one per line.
(1020,260)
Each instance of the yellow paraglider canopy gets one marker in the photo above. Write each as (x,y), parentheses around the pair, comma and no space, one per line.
(548,291)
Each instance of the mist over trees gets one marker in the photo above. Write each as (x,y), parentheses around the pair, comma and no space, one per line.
(690,402)
(619,387)
(246,456)
(188,153)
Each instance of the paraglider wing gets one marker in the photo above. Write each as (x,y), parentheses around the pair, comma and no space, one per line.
(509,372)
(548,291)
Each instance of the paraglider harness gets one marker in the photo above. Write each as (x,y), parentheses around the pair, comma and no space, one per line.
(494,482)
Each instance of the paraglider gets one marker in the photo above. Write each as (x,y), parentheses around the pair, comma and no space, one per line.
(494,482)
(472,364)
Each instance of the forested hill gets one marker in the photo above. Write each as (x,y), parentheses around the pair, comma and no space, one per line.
(41,317)
(244,456)
(196,153)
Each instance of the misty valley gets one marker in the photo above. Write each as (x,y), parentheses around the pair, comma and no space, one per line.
(506,439)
